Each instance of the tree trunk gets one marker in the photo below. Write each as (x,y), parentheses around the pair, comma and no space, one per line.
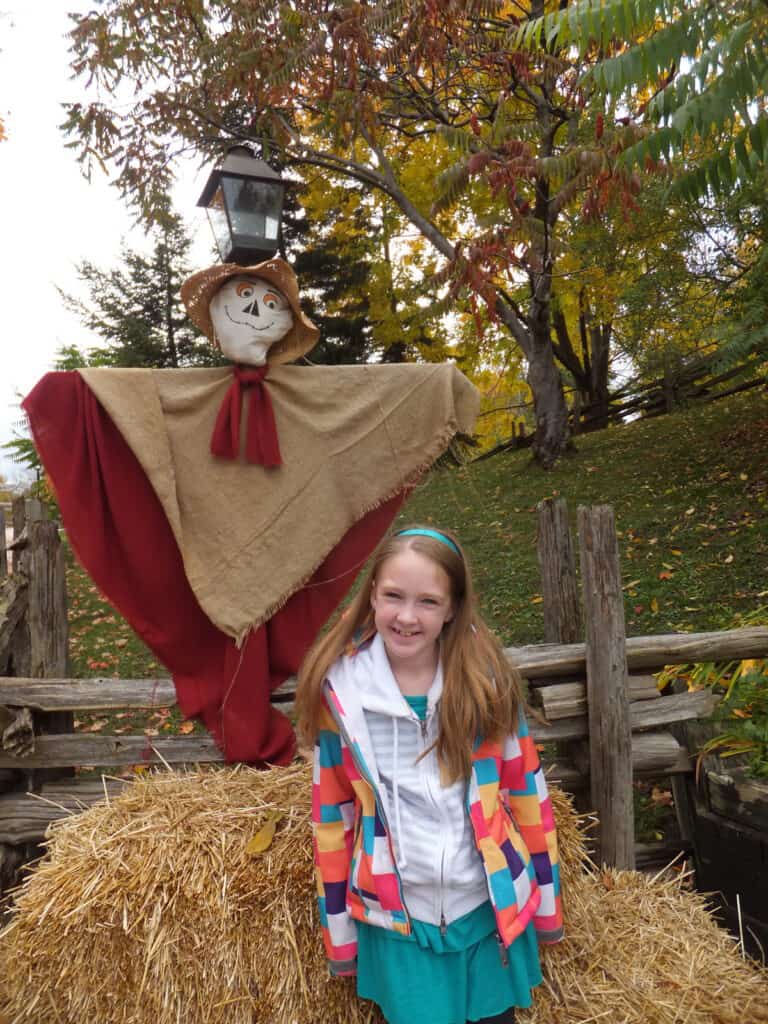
(599,335)
(552,430)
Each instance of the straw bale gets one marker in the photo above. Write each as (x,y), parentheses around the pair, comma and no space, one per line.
(149,909)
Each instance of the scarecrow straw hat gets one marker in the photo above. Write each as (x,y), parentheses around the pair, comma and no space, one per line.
(151,908)
(198,290)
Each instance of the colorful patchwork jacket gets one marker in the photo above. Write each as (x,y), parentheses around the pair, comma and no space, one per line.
(357,879)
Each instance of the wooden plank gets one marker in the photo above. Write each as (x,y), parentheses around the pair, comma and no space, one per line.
(562,609)
(658,855)
(285,691)
(643,715)
(738,797)
(559,731)
(566,700)
(563,700)
(642,687)
(87,694)
(24,817)
(565,775)
(652,752)
(537,662)
(101,694)
(610,733)
(676,707)
(81,749)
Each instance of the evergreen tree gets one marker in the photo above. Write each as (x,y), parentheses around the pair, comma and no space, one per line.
(136,308)
(332,285)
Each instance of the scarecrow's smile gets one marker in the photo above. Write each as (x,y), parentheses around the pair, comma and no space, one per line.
(247,323)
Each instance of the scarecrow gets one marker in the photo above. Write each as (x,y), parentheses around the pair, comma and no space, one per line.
(225,512)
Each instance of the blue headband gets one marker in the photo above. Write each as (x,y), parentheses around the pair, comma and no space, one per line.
(430,533)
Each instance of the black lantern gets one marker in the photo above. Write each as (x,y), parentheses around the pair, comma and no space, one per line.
(244,201)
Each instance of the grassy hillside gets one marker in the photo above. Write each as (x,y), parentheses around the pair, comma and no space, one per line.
(690,494)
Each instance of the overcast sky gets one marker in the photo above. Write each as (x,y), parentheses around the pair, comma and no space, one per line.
(51,218)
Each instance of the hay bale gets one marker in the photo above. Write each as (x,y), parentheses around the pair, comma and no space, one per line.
(150,909)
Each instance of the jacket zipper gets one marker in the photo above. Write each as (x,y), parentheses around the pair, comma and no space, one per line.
(423,725)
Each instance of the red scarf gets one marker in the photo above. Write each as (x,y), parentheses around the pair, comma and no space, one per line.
(261,445)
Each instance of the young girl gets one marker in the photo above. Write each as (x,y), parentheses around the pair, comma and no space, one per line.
(435,846)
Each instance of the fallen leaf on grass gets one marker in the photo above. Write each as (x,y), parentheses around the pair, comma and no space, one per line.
(96,726)
(662,797)
(186,727)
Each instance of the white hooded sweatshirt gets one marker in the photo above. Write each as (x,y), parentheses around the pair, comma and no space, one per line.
(439,866)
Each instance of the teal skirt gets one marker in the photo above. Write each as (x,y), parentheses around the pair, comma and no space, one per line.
(426,978)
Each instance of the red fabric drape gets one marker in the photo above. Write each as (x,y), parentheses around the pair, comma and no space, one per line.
(119,531)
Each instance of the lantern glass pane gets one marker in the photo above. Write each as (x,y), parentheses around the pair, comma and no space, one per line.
(254,209)
(217,217)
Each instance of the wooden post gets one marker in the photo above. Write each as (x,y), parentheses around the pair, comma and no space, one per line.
(561,604)
(23,512)
(48,626)
(18,649)
(18,516)
(48,630)
(562,611)
(3,549)
(610,736)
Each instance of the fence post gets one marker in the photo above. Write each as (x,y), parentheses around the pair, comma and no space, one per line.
(561,602)
(18,521)
(3,547)
(610,734)
(562,610)
(48,627)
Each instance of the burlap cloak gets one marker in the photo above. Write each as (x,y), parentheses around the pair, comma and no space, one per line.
(350,437)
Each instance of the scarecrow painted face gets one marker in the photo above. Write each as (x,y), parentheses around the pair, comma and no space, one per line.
(249,314)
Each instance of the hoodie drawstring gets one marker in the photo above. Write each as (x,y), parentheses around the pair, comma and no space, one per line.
(400,860)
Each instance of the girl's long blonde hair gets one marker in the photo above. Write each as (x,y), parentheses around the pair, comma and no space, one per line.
(481,691)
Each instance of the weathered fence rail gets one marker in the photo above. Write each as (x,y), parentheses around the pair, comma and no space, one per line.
(596,705)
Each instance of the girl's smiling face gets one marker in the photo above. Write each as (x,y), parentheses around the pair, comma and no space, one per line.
(411,601)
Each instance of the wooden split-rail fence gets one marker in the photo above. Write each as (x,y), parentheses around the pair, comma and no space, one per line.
(596,706)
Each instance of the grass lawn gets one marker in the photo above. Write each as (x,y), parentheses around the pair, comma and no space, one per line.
(690,494)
